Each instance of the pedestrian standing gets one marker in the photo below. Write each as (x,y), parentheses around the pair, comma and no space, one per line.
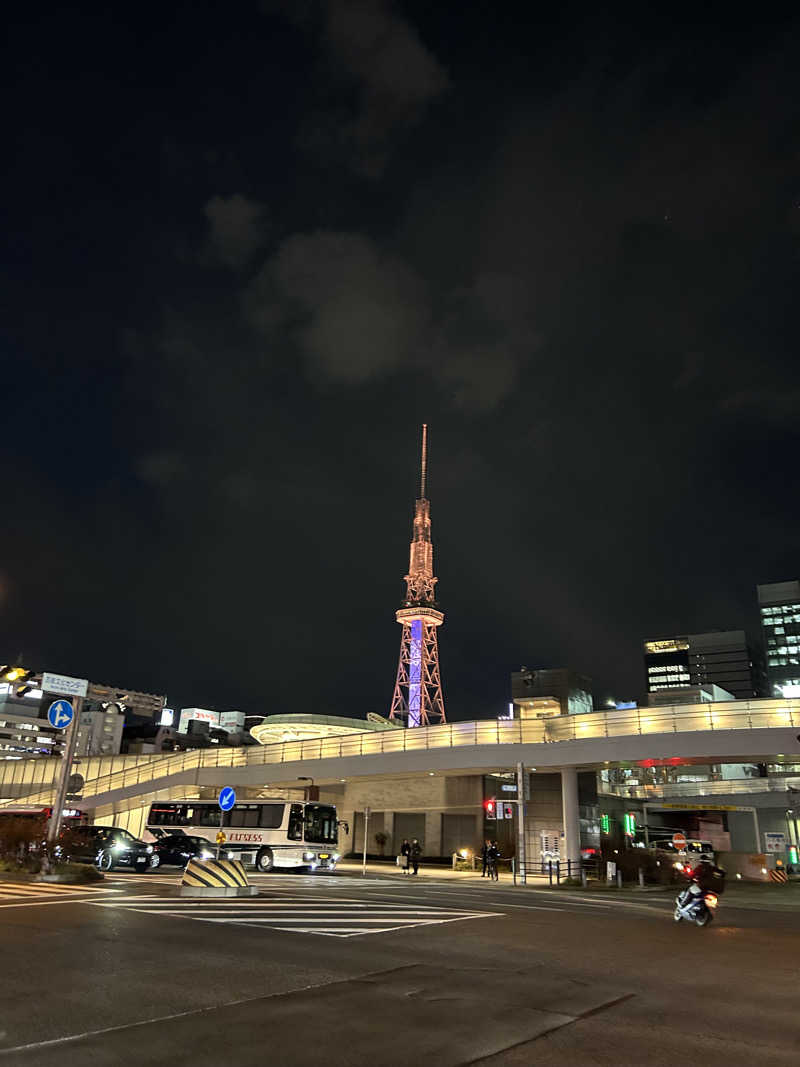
(487,844)
(405,853)
(494,856)
(416,852)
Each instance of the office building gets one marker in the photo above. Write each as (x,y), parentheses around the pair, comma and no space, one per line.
(100,731)
(232,722)
(722,657)
(690,694)
(537,694)
(779,606)
(24,732)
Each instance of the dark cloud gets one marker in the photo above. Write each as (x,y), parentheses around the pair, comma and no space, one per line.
(161,468)
(370,44)
(357,312)
(237,228)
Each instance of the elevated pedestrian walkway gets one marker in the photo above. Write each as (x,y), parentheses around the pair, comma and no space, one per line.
(734,731)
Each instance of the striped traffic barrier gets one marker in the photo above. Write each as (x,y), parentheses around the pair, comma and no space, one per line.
(216,878)
(778,875)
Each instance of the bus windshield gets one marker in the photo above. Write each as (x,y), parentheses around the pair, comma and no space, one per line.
(320,825)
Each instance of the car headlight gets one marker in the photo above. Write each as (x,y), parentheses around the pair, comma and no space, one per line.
(149,848)
(336,857)
(209,855)
(308,857)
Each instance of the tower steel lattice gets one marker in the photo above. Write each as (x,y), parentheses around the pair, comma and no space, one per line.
(417,699)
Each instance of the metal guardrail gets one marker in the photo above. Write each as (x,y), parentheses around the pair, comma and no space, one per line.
(738,715)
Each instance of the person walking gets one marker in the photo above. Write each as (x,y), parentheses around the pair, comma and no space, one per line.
(487,844)
(416,852)
(405,852)
(494,856)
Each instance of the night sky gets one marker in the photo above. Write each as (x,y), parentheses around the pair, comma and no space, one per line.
(250,247)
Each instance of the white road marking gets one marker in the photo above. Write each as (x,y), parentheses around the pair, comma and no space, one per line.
(29,895)
(333,918)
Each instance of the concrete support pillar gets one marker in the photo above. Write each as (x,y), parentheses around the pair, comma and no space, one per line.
(571,815)
(433,833)
(388,829)
(347,840)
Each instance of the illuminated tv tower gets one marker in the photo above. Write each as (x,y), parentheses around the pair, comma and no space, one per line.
(417,699)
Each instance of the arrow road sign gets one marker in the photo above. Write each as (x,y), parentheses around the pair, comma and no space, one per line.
(59,714)
(227,798)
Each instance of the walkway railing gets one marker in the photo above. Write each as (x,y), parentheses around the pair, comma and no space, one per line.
(666,790)
(738,715)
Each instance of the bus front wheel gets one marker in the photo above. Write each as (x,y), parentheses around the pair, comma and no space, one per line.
(265,861)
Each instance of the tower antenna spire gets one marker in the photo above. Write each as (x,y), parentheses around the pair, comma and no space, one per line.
(424,464)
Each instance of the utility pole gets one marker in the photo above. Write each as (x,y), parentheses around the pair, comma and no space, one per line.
(522,868)
(66,770)
(366,828)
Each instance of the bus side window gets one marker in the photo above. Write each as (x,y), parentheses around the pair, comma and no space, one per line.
(206,815)
(295,823)
(251,815)
(271,816)
(244,815)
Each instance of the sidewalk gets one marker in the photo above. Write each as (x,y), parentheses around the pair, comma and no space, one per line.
(432,871)
(751,895)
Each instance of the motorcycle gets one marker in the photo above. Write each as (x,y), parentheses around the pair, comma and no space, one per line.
(696,905)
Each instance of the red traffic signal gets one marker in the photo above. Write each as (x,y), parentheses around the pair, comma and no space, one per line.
(490,807)
(508,811)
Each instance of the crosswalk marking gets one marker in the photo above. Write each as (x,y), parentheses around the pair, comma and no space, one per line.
(34,891)
(331,918)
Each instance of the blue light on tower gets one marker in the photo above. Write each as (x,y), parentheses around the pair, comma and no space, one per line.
(415,673)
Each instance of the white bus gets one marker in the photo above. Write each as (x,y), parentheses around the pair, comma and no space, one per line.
(264,833)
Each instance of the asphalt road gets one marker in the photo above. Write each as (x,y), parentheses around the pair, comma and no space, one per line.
(343,970)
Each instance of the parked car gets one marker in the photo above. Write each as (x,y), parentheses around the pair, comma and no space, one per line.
(175,850)
(106,847)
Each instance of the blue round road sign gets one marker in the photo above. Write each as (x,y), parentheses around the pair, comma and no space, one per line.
(227,798)
(59,714)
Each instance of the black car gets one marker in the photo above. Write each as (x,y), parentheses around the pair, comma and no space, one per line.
(106,847)
(175,850)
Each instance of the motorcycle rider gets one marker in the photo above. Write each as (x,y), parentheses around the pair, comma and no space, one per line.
(705,877)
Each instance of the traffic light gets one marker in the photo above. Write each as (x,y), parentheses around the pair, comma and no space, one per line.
(14,674)
(605,824)
(490,807)
(629,823)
